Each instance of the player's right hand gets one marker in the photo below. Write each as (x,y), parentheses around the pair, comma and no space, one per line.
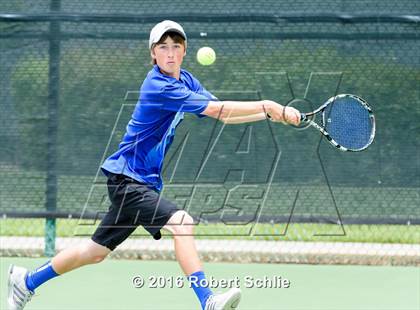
(283,114)
(292,116)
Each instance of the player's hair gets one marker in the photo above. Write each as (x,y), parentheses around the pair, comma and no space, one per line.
(174,36)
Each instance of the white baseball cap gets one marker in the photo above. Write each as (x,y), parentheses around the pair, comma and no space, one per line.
(161,28)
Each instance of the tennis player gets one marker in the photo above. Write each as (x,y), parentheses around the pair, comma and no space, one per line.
(134,172)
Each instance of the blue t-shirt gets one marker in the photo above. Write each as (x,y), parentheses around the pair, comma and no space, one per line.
(161,106)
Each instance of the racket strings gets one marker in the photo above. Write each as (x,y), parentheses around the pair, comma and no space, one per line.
(348,122)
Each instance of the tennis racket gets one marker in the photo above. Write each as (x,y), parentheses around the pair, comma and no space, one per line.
(346,121)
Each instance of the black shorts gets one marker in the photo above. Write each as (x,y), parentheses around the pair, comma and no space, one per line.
(133,204)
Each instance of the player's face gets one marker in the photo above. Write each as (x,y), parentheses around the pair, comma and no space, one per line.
(169,56)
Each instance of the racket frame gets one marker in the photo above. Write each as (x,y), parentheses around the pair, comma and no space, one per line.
(304,117)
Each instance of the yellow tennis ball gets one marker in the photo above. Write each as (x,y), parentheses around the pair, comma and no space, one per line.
(206,56)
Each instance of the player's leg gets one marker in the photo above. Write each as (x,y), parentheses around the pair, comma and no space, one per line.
(72,258)
(22,283)
(181,226)
(112,230)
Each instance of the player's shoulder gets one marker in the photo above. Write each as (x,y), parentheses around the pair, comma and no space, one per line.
(154,81)
(188,75)
(189,79)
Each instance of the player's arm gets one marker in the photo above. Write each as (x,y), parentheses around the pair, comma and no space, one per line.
(235,112)
(245,119)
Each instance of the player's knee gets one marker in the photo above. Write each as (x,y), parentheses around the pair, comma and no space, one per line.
(97,258)
(188,220)
(93,255)
(181,223)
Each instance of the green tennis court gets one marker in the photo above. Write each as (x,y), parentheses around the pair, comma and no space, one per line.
(109,286)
